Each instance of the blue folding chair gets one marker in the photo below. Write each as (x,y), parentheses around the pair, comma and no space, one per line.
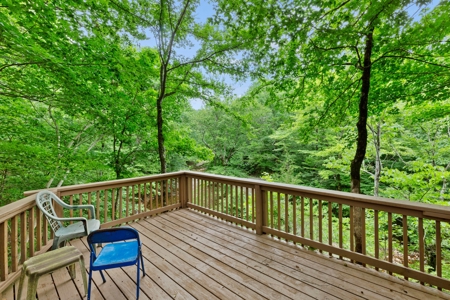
(122,247)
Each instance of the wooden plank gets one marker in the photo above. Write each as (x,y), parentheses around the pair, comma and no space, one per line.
(46,289)
(232,268)
(188,265)
(260,270)
(184,281)
(200,261)
(290,275)
(359,276)
(65,287)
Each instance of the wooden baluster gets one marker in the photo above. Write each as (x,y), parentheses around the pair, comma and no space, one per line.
(352,230)
(3,251)
(166,185)
(14,243)
(105,206)
(302,215)
(201,187)
(377,236)
(210,195)
(97,211)
(145,196)
(133,201)
(139,199)
(390,249)
(438,251)
(227,193)
(311,219)
(242,203)
(421,247)
(363,229)
(253,205)
(71,210)
(170,191)
(294,214)
(236,203)
(23,237)
(127,202)
(46,231)
(320,222)
(80,201)
(271,209)
(38,229)
(113,205)
(279,210)
(259,209)
(340,228)
(405,242)
(330,226)
(119,198)
(90,203)
(286,213)
(31,231)
(246,202)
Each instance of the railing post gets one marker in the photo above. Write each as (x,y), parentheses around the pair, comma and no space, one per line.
(259,201)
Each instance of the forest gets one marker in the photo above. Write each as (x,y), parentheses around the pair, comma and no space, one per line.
(345,95)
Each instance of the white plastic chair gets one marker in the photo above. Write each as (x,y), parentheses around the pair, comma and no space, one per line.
(44,200)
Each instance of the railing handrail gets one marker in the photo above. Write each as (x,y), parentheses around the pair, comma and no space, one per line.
(430,210)
(66,190)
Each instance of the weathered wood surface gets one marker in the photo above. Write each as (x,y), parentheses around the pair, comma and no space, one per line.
(192,256)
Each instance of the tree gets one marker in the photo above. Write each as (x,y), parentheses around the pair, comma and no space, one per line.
(345,49)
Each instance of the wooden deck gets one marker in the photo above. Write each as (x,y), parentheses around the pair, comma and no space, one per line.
(192,256)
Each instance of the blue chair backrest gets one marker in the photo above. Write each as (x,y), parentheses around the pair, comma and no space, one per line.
(112,235)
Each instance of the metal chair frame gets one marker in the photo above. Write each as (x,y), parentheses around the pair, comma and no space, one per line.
(121,247)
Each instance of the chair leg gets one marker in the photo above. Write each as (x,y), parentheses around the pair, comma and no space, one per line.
(32,287)
(142,263)
(72,271)
(22,279)
(90,283)
(83,273)
(103,276)
(55,243)
(137,281)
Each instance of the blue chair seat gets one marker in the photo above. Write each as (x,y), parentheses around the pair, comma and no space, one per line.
(116,255)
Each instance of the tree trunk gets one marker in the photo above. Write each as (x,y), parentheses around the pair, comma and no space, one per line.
(376,132)
(161,149)
(355,167)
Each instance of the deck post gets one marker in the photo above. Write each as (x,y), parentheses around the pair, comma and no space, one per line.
(259,209)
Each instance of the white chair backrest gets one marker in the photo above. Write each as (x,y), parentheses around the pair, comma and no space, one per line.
(44,201)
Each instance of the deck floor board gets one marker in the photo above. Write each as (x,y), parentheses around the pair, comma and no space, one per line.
(189,255)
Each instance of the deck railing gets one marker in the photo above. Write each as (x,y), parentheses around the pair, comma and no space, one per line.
(393,231)
(24,231)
